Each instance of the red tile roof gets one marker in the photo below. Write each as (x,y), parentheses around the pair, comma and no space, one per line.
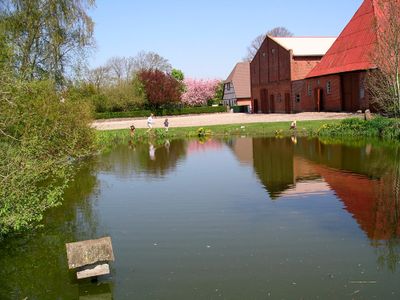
(353,48)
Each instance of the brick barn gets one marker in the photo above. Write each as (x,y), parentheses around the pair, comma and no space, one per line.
(337,83)
(277,65)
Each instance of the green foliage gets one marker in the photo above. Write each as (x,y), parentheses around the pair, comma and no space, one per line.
(178,74)
(219,93)
(381,127)
(160,112)
(203,132)
(119,97)
(40,138)
(49,36)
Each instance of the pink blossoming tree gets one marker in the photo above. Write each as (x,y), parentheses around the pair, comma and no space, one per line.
(198,92)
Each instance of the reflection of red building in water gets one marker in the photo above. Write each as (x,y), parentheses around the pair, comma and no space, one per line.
(373,209)
(312,168)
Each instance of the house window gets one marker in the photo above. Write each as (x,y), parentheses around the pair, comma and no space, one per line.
(297,97)
(228,86)
(328,88)
(309,89)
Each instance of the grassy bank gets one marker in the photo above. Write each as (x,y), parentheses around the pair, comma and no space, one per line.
(379,128)
(304,128)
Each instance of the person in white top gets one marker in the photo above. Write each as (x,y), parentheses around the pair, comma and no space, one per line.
(150,122)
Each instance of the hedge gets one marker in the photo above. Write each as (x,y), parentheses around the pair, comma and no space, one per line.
(161,112)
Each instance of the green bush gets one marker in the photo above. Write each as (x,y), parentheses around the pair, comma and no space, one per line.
(377,127)
(161,112)
(41,136)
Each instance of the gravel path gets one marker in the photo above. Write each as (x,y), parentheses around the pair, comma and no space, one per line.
(216,119)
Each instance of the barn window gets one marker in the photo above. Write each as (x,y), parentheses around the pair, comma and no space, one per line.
(309,89)
(328,88)
(297,97)
(228,86)
(279,97)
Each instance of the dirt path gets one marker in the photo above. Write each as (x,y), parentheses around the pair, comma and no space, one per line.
(216,119)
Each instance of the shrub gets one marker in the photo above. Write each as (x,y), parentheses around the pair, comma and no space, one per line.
(40,137)
(378,127)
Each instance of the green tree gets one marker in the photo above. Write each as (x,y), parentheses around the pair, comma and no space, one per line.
(178,75)
(49,37)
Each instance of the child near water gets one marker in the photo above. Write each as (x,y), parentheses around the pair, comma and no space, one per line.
(166,124)
(133,129)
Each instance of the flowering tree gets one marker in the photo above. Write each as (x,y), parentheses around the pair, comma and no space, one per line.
(198,92)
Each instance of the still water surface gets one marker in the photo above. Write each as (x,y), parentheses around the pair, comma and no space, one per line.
(241,218)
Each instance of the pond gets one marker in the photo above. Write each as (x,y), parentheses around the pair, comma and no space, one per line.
(240,218)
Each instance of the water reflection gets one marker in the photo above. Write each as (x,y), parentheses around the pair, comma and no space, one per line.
(144,159)
(203,218)
(365,178)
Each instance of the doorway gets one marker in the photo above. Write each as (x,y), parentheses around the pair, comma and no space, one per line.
(264,101)
(272,103)
(319,99)
(287,103)
(255,106)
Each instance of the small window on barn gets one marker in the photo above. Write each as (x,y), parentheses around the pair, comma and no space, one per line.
(297,97)
(228,86)
(328,88)
(309,89)
(279,97)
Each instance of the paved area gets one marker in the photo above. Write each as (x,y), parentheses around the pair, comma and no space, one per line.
(216,119)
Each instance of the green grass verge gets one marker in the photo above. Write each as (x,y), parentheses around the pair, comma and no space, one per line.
(304,128)
(382,130)
(161,112)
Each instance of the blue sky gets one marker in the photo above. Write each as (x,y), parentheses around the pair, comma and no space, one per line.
(206,38)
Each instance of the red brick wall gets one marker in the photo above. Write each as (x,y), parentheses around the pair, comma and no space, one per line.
(331,102)
(303,65)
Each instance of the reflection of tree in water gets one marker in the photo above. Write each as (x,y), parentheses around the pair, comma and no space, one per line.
(127,159)
(388,215)
(35,265)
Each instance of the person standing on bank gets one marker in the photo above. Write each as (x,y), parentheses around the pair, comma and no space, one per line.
(166,124)
(133,129)
(150,123)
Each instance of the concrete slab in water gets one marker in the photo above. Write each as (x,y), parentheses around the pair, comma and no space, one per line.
(89,252)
